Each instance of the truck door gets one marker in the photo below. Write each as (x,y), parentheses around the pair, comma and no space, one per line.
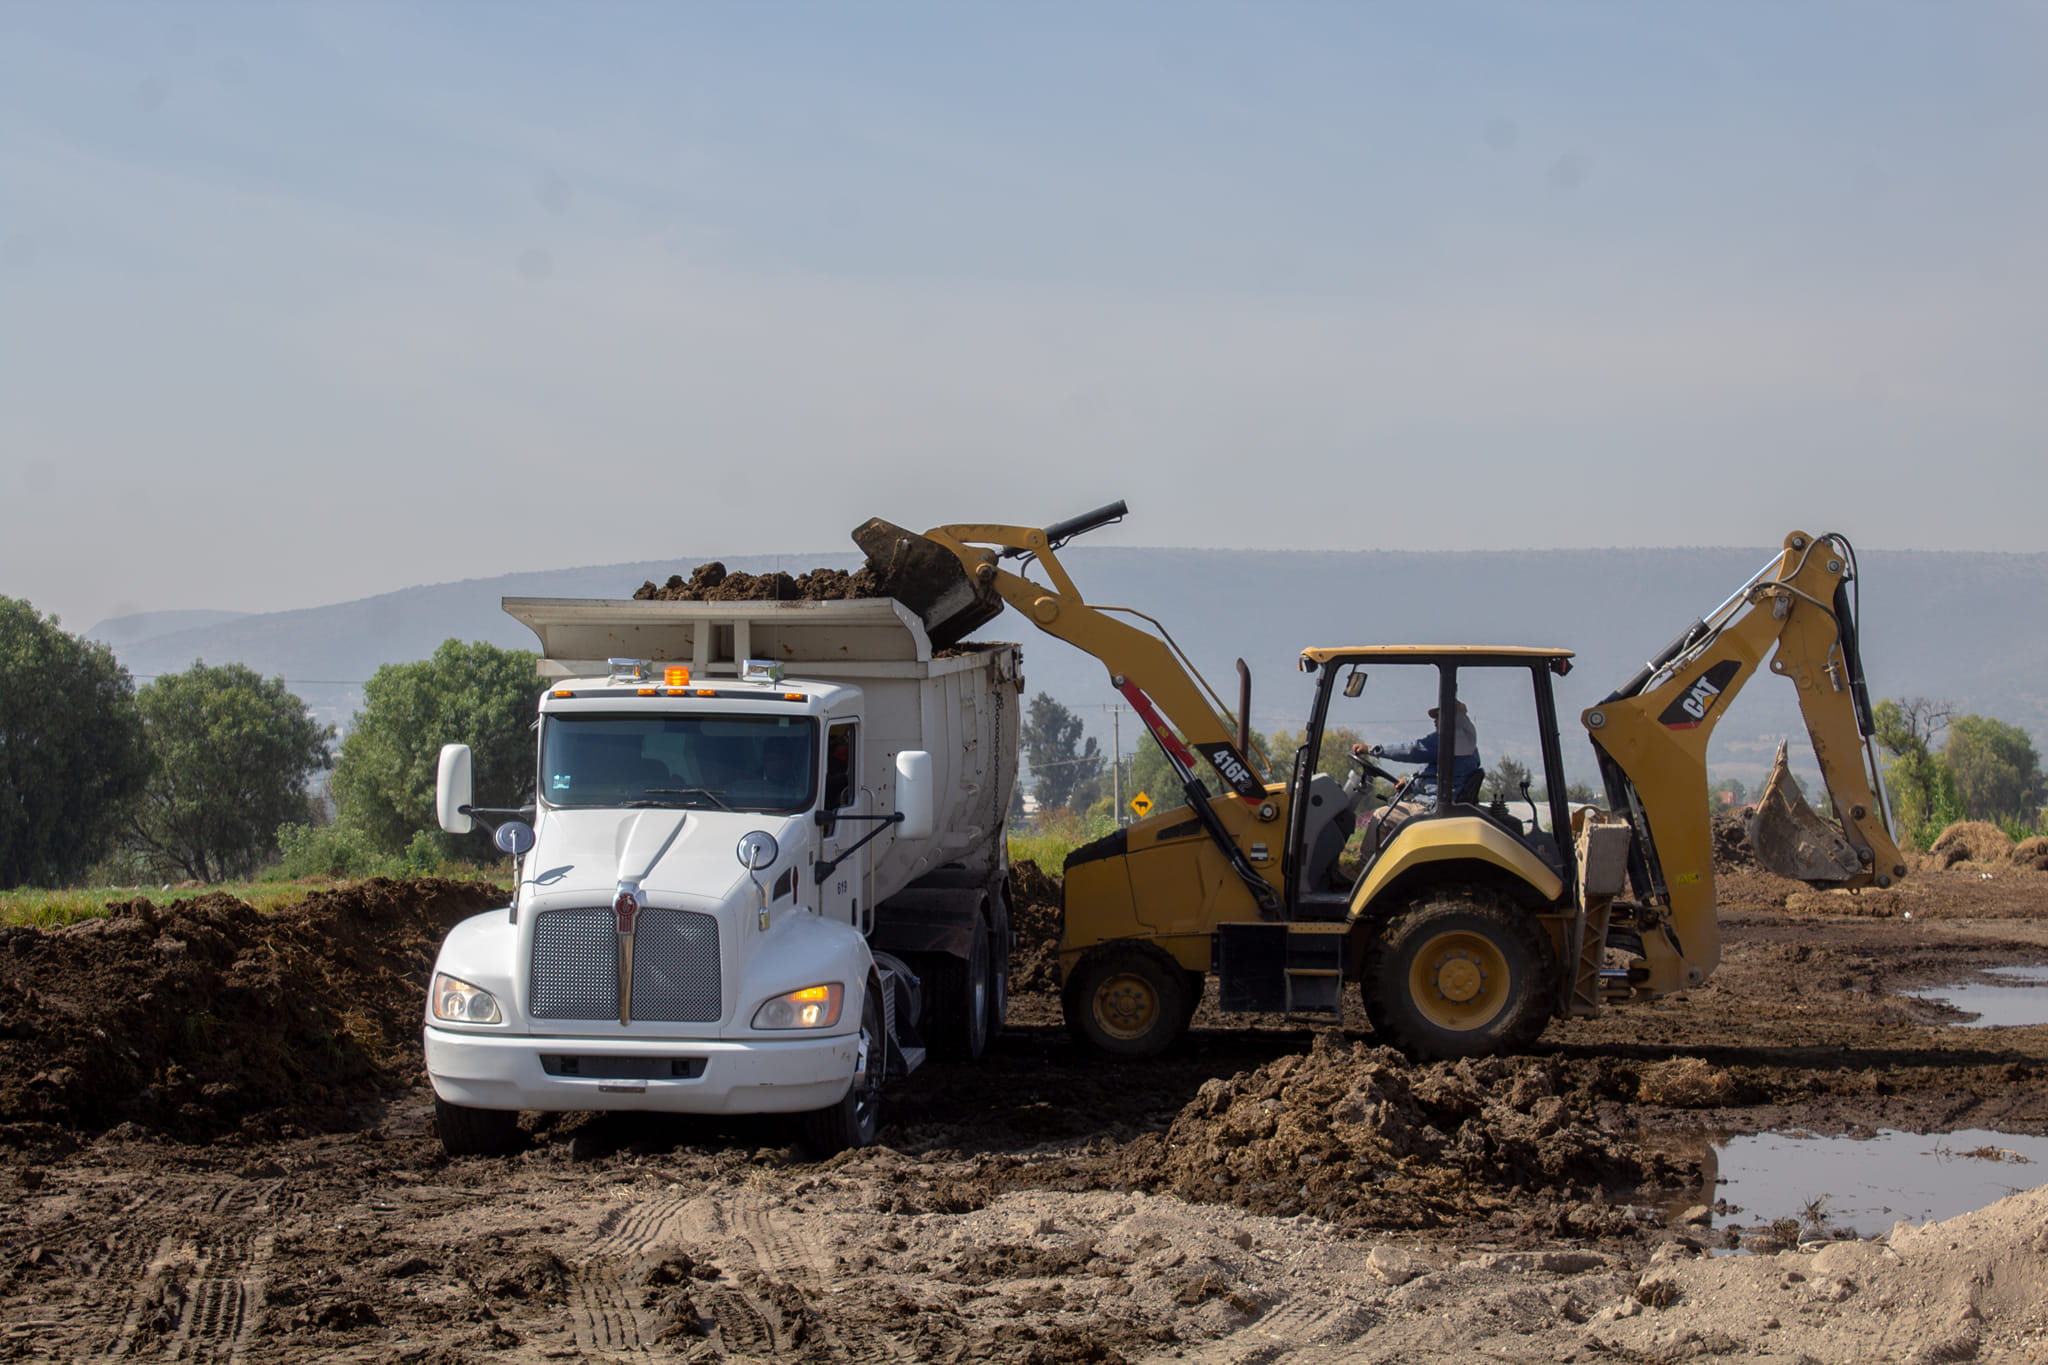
(843,893)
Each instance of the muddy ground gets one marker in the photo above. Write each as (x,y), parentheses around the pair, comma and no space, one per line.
(215,1145)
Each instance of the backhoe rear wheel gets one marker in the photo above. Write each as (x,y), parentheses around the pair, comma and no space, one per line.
(1459,972)
(1127,1000)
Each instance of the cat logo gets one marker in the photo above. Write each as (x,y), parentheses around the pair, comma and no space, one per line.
(1697,700)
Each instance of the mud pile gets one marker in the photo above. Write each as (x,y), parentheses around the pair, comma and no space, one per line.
(1360,1136)
(711,583)
(1732,852)
(2031,854)
(207,1016)
(1971,841)
(1038,920)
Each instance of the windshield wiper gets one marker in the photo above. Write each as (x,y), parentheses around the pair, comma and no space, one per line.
(710,796)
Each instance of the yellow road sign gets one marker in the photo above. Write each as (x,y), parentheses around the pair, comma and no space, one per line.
(1141,803)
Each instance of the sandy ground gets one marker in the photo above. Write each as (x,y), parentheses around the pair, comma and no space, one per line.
(1264,1193)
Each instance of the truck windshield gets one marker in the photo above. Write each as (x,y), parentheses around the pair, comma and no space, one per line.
(750,763)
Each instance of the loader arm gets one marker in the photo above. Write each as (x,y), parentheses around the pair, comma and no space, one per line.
(1160,687)
(1650,738)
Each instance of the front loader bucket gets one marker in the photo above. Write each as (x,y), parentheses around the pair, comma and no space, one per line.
(1790,839)
(929,579)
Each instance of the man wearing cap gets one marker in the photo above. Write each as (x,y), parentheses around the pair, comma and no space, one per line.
(1420,794)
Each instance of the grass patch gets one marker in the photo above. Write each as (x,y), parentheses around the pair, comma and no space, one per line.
(45,909)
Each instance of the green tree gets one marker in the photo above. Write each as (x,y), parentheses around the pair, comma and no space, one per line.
(71,748)
(474,694)
(1922,789)
(1996,769)
(230,754)
(1504,781)
(1064,770)
(1333,755)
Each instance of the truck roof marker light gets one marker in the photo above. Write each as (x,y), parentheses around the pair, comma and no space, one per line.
(648,691)
(562,692)
(677,692)
(676,675)
(792,696)
(707,691)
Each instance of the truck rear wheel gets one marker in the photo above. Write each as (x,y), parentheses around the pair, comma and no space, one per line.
(856,1119)
(475,1132)
(962,1001)
(1127,1001)
(1458,973)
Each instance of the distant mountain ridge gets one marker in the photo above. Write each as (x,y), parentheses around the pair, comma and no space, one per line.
(1960,625)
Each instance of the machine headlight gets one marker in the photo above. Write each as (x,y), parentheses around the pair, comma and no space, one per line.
(458,1002)
(811,1007)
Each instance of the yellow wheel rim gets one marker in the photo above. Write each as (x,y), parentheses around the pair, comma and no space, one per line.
(1126,1006)
(1459,981)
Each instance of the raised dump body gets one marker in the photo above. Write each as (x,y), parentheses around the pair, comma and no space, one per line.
(767,869)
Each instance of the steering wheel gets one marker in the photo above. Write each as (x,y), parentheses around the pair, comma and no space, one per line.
(1372,769)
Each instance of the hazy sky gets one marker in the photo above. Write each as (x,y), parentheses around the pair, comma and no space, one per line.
(300,303)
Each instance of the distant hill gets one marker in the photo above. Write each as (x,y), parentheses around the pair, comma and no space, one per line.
(122,632)
(1964,626)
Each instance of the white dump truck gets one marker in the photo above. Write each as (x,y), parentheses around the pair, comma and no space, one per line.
(765,870)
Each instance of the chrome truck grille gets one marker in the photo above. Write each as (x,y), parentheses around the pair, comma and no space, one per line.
(576,966)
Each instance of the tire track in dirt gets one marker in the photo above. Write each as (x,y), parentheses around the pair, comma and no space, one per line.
(203,1297)
(601,1309)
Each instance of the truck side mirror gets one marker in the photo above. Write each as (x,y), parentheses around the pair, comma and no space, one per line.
(453,789)
(914,794)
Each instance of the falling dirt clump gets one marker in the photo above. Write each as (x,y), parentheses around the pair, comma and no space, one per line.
(1038,920)
(2031,853)
(1732,852)
(1360,1136)
(206,1016)
(1971,841)
(712,583)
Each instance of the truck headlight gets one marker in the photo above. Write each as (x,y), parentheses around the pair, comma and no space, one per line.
(811,1007)
(458,1002)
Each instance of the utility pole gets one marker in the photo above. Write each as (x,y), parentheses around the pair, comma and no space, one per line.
(1116,760)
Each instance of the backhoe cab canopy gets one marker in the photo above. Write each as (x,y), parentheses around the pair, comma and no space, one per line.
(1464,656)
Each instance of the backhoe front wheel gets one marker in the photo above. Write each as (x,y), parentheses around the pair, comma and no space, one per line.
(1127,1001)
(1458,973)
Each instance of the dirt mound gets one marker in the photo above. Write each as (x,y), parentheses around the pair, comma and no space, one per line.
(1869,902)
(1037,918)
(711,583)
(1360,1136)
(1732,852)
(1971,841)
(207,1016)
(2031,853)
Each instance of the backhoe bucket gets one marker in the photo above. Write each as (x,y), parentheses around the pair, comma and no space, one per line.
(929,579)
(1790,839)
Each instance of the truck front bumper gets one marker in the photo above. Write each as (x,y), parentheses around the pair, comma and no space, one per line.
(484,1071)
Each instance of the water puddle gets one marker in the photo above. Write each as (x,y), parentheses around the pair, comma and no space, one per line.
(1859,1186)
(2013,998)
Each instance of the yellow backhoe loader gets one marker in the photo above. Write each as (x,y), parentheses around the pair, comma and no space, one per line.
(1466,926)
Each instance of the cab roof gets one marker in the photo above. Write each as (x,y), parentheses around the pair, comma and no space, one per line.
(1520,656)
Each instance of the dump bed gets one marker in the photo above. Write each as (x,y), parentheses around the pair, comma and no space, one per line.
(960,707)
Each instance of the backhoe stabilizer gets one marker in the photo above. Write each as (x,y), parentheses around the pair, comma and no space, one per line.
(929,579)
(1791,839)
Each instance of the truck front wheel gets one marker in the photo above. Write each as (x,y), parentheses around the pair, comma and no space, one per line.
(1458,973)
(475,1132)
(856,1120)
(1127,1001)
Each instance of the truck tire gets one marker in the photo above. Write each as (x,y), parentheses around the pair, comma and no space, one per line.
(855,1120)
(475,1132)
(1458,972)
(1127,1000)
(1000,944)
(962,996)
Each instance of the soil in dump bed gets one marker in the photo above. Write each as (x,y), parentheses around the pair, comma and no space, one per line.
(207,1016)
(711,583)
